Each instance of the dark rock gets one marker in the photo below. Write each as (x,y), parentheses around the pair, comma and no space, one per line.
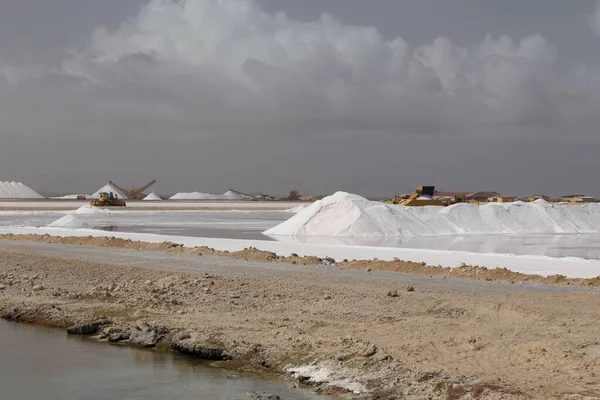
(118,337)
(106,332)
(184,335)
(146,335)
(410,289)
(330,260)
(371,351)
(202,350)
(263,396)
(84,329)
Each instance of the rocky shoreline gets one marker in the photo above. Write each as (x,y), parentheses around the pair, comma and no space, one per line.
(352,339)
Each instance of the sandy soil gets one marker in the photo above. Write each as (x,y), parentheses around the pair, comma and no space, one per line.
(393,335)
(253,254)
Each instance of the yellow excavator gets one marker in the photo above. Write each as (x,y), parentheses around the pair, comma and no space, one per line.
(108,200)
(423,196)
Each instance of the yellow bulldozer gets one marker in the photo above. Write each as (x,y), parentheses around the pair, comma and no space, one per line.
(108,200)
(423,196)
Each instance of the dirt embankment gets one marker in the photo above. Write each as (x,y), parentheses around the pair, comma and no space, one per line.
(253,254)
(385,340)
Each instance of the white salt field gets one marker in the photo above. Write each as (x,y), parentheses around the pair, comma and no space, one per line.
(250,225)
(232,224)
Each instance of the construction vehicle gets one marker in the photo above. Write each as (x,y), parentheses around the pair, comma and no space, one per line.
(423,196)
(108,200)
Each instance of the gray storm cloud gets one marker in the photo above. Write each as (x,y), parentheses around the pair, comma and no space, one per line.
(213,73)
(226,61)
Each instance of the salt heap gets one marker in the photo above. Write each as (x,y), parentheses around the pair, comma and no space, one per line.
(348,215)
(90,210)
(69,221)
(75,218)
(107,189)
(152,197)
(17,190)
(228,195)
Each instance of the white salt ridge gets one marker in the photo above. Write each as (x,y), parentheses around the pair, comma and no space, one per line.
(320,374)
(74,197)
(572,267)
(74,219)
(349,215)
(17,190)
(109,188)
(228,195)
(152,197)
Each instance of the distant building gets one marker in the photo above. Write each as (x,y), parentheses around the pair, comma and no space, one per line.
(541,196)
(481,196)
(579,198)
(468,196)
(501,199)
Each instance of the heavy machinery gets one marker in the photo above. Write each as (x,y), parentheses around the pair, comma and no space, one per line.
(423,196)
(108,200)
(134,193)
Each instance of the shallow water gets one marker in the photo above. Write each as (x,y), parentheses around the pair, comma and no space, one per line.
(249,225)
(39,363)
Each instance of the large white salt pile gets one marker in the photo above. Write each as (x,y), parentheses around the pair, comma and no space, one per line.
(17,190)
(228,195)
(347,215)
(109,188)
(152,197)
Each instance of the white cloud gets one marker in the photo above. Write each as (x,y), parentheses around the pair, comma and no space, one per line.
(228,62)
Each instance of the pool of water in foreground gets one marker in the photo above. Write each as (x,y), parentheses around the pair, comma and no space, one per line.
(41,363)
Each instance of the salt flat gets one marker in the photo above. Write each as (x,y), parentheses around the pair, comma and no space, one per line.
(538,249)
(133,204)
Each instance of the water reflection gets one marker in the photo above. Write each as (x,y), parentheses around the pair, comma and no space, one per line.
(574,245)
(38,363)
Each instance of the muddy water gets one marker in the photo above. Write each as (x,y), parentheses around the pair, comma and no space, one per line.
(39,363)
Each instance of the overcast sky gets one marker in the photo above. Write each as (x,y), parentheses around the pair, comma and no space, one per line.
(372,97)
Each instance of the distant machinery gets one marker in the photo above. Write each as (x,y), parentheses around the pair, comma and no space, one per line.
(108,200)
(423,196)
(134,193)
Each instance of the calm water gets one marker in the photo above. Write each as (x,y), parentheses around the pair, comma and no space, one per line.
(38,363)
(250,224)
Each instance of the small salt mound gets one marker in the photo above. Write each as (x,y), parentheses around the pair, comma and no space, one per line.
(89,210)
(348,215)
(228,195)
(152,197)
(69,221)
(74,197)
(540,201)
(17,190)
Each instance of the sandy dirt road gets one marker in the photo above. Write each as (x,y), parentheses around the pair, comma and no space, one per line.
(446,339)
